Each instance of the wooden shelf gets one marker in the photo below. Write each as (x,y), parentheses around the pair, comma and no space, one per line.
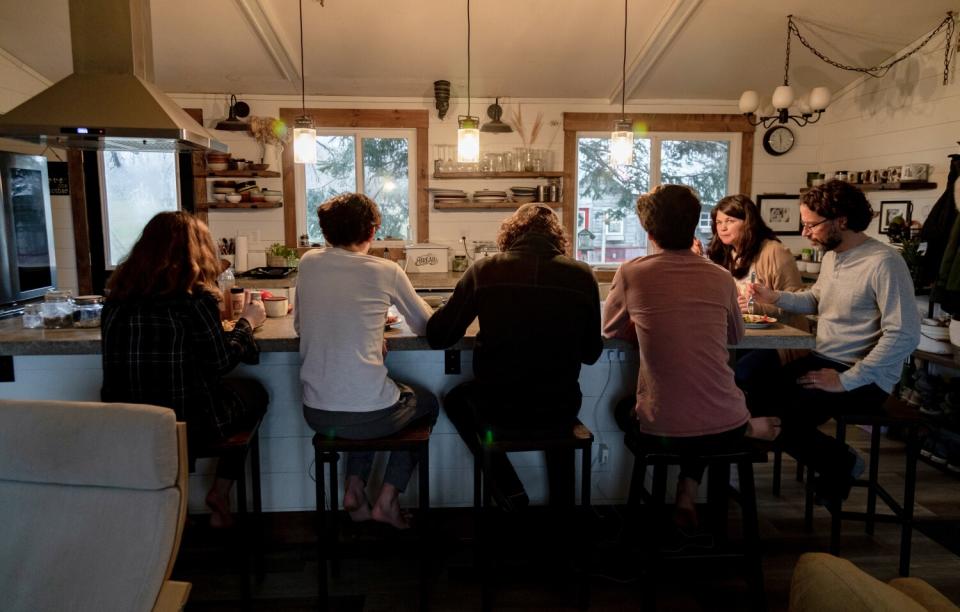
(914,186)
(240,205)
(948,360)
(496,175)
(488,205)
(243,174)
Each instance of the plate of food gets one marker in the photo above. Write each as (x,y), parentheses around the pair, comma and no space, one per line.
(755,321)
(393,321)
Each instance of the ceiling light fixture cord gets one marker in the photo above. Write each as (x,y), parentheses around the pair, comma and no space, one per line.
(948,23)
(303,87)
(623,71)
(468,58)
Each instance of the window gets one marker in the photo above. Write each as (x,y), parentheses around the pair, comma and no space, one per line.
(135,187)
(701,161)
(378,163)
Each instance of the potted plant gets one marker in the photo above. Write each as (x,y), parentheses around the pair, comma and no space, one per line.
(280,255)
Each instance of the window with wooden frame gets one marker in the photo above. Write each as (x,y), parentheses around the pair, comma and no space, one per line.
(716,150)
(362,138)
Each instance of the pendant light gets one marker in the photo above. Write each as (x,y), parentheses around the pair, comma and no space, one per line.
(304,135)
(468,132)
(621,140)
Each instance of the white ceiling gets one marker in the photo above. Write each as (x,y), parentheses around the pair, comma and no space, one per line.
(676,49)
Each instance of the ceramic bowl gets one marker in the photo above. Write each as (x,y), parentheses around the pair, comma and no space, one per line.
(233,198)
(275,306)
(220,197)
(272,199)
(217,166)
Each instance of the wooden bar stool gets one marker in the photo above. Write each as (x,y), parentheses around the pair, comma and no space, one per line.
(577,437)
(718,489)
(415,437)
(248,442)
(895,412)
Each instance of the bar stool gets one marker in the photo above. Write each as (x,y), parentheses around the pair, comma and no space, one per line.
(895,412)
(414,437)
(247,442)
(718,489)
(778,467)
(577,437)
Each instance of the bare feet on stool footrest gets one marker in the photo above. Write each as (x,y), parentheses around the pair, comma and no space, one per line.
(763,428)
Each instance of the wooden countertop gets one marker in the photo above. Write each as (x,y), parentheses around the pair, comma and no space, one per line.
(277,336)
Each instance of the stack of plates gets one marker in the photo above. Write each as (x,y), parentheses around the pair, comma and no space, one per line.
(490,196)
(522,195)
(448,196)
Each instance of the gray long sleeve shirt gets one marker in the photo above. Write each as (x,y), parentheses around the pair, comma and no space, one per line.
(868,317)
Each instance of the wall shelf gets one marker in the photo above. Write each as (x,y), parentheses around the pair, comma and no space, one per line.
(496,175)
(488,205)
(240,205)
(913,186)
(243,174)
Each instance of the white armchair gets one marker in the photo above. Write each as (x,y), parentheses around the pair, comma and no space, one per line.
(92,505)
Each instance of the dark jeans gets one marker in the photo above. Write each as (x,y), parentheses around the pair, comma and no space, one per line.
(803,411)
(491,411)
(687,447)
(248,403)
(415,403)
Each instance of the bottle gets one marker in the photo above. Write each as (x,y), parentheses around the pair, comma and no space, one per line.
(225,282)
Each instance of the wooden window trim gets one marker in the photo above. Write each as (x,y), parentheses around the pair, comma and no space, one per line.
(359,118)
(655,122)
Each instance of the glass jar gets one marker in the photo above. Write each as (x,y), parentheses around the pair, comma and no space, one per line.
(32,316)
(57,310)
(86,310)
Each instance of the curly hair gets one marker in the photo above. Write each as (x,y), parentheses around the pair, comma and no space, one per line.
(836,199)
(348,218)
(174,256)
(532,219)
(670,214)
(753,233)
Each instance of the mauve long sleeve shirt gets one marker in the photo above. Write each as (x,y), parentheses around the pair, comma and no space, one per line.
(682,309)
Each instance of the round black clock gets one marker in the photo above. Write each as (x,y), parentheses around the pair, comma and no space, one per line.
(778,140)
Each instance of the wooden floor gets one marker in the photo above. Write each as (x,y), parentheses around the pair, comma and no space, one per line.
(535,573)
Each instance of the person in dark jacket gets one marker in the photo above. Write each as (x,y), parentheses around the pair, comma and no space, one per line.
(539,315)
(163,343)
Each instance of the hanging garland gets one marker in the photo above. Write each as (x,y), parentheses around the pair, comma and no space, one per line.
(948,25)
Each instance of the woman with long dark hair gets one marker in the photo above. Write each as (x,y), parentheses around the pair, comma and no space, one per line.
(163,342)
(743,244)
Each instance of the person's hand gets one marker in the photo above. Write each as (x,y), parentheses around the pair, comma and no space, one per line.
(744,302)
(762,294)
(254,313)
(697,246)
(826,380)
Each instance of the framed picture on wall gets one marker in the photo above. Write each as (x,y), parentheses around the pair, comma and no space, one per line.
(890,210)
(780,211)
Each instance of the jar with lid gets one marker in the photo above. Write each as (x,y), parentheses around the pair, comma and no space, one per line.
(86,310)
(57,310)
(841,175)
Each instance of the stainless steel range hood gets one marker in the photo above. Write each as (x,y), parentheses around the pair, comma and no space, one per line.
(110,101)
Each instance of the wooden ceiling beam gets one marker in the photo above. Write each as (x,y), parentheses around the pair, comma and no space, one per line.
(270,39)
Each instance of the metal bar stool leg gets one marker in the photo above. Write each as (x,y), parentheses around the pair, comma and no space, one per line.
(777,466)
(909,491)
(486,573)
(322,586)
(873,478)
(648,599)
(583,596)
(836,506)
(424,525)
(257,506)
(332,460)
(751,534)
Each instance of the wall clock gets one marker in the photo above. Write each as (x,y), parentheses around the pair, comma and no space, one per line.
(778,140)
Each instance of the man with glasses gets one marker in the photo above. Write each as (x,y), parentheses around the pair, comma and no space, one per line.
(868,325)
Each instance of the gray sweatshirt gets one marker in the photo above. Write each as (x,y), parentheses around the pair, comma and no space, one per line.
(868,317)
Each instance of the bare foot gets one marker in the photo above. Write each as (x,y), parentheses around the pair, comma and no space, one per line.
(355,500)
(763,428)
(685,512)
(220,516)
(387,509)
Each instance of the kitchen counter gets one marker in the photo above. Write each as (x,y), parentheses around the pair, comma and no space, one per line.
(277,336)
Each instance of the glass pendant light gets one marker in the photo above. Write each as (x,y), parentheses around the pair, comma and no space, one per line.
(621,140)
(468,131)
(304,135)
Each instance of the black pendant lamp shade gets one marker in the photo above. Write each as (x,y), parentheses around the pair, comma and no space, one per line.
(237,110)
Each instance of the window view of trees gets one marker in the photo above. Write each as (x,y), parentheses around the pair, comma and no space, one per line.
(136,187)
(384,176)
(607,227)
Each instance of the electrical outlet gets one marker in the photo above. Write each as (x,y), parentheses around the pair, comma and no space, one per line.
(451,361)
(604,454)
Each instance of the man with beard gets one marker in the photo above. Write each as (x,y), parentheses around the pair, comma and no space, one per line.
(868,325)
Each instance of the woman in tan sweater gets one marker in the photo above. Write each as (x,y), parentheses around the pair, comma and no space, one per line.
(743,244)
